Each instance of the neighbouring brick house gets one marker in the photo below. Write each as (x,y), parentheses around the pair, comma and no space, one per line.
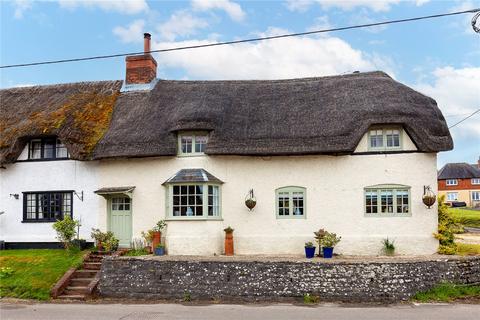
(460,182)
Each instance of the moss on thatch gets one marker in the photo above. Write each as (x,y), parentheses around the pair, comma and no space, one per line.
(78,114)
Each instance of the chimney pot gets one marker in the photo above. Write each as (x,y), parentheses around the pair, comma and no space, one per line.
(146,42)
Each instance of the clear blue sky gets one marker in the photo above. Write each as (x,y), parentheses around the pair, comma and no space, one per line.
(440,57)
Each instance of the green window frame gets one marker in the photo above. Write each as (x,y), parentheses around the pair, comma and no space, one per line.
(387,200)
(192,143)
(291,202)
(194,201)
(385,138)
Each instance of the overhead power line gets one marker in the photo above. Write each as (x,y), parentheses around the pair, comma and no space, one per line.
(471,115)
(245,40)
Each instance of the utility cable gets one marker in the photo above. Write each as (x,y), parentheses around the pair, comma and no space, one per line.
(244,40)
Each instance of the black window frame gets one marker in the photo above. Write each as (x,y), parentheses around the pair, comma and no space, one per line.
(43,142)
(49,193)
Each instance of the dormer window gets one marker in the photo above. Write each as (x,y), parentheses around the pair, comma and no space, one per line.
(47,148)
(384,139)
(192,143)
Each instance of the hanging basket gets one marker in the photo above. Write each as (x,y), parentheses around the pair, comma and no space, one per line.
(428,197)
(250,200)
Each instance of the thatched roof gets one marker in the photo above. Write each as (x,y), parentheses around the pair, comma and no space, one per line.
(326,115)
(459,171)
(78,113)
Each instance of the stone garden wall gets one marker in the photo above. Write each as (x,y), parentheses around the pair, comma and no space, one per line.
(270,280)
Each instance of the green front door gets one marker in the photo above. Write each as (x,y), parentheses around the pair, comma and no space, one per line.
(120,219)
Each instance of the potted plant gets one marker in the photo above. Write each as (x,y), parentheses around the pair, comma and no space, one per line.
(328,242)
(309,250)
(99,238)
(228,241)
(157,233)
(148,236)
(111,243)
(160,250)
(388,247)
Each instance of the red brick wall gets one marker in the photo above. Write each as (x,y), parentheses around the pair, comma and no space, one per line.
(463,184)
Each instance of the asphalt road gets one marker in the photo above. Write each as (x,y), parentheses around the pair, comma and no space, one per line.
(233,312)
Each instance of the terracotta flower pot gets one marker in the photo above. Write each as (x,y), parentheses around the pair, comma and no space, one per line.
(157,236)
(229,244)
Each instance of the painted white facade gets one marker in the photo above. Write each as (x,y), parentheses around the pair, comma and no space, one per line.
(334,201)
(61,175)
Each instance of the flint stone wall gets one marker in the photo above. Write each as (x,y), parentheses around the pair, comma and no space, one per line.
(374,281)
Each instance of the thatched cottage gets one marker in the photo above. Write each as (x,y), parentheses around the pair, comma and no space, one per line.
(351,154)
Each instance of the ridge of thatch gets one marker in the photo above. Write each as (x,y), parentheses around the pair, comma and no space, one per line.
(325,115)
(459,171)
(77,113)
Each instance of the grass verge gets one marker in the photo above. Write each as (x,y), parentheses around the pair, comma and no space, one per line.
(466,249)
(29,274)
(447,292)
(466,217)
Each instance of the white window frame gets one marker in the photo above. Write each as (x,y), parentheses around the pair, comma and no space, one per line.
(396,190)
(452,194)
(451,182)
(475,181)
(291,190)
(475,195)
(194,135)
(384,131)
(205,204)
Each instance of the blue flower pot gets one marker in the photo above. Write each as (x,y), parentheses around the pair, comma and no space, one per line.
(159,251)
(309,252)
(327,252)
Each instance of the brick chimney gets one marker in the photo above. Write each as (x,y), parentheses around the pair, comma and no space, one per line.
(141,69)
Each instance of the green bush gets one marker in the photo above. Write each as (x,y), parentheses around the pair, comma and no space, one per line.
(446,229)
(105,240)
(388,247)
(309,299)
(65,230)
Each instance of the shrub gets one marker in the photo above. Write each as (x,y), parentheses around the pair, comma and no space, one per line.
(446,229)
(326,239)
(106,240)
(148,236)
(65,230)
(388,247)
(308,298)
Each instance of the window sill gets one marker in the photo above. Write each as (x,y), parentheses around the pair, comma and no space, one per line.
(387,215)
(42,160)
(190,155)
(193,219)
(293,217)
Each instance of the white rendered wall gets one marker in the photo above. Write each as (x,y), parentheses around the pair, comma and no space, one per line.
(335,191)
(46,176)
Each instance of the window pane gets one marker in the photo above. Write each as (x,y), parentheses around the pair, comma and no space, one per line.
(186,144)
(393,138)
(283,203)
(402,201)
(213,201)
(61,151)
(476,195)
(35,149)
(371,201)
(31,206)
(386,201)
(376,138)
(48,149)
(200,143)
(297,199)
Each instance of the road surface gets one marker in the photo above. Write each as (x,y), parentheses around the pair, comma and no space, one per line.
(48,311)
